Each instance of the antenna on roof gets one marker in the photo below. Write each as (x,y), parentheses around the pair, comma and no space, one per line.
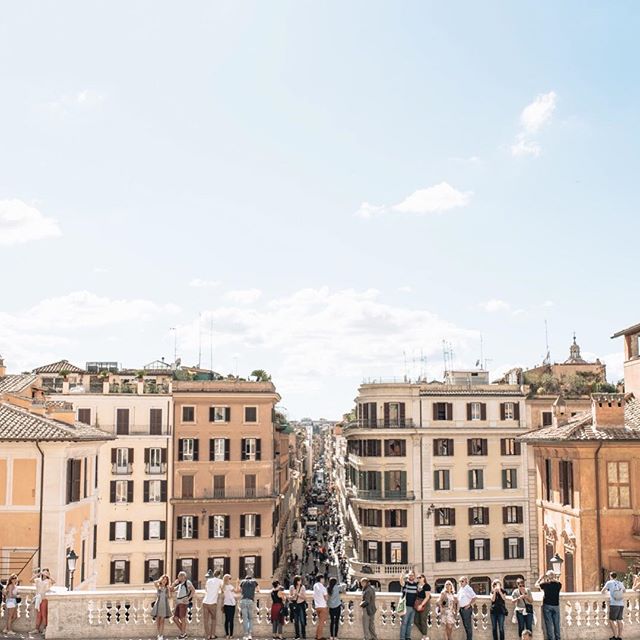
(199,338)
(404,355)
(481,361)
(547,358)
(175,342)
(211,342)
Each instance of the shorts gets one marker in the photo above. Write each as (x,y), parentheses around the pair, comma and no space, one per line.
(11,603)
(616,612)
(180,611)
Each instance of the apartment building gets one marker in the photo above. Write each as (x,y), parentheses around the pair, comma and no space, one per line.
(135,406)
(230,463)
(438,482)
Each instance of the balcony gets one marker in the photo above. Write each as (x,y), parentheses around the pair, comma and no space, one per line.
(121,469)
(363,569)
(371,494)
(210,495)
(405,423)
(155,469)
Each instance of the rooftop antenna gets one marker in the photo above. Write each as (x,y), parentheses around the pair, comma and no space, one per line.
(404,355)
(481,352)
(211,343)
(547,358)
(199,338)
(175,343)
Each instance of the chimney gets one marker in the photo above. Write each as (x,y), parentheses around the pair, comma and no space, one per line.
(62,411)
(3,369)
(608,409)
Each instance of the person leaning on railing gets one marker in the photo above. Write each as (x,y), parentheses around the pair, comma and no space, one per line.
(368,606)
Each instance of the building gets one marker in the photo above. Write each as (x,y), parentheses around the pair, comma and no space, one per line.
(588,471)
(135,407)
(631,337)
(48,484)
(230,462)
(438,482)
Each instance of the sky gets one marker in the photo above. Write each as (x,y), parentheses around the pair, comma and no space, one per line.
(325,190)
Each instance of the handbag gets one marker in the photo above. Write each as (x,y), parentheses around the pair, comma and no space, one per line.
(402,606)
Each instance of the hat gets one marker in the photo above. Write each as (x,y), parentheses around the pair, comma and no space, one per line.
(209,574)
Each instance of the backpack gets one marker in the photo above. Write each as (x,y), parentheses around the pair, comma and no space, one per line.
(618,590)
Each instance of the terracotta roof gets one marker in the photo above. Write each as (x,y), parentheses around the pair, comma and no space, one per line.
(57,367)
(623,332)
(473,390)
(17,382)
(17,424)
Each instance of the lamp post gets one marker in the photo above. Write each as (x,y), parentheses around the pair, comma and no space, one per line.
(72,558)
(556,564)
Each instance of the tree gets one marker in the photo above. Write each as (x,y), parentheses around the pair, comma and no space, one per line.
(261,375)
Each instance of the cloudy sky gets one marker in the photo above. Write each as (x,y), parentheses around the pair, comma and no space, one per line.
(335,187)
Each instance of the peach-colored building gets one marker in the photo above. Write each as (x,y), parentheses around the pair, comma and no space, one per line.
(631,358)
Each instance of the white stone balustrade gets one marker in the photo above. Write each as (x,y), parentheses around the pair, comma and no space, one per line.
(126,614)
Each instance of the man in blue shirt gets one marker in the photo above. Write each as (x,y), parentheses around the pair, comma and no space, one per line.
(616,604)
(409,591)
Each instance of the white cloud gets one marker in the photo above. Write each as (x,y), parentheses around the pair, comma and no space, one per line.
(493,305)
(20,222)
(533,118)
(199,283)
(243,296)
(405,289)
(547,303)
(82,100)
(436,199)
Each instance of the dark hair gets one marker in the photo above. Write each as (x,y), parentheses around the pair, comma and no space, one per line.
(297,580)
(274,584)
(319,577)
(613,574)
(332,583)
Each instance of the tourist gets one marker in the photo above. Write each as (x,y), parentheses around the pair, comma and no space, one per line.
(616,604)
(636,583)
(248,588)
(409,591)
(422,606)
(524,606)
(466,599)
(43,583)
(161,609)
(334,591)
(277,609)
(229,601)
(11,603)
(448,604)
(210,602)
(184,591)
(551,586)
(498,609)
(527,634)
(368,606)
(320,598)
(298,607)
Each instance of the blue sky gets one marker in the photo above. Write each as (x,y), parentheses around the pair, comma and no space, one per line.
(332,184)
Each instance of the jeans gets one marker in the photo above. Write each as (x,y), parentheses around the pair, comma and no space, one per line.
(247,608)
(497,625)
(525,621)
(466,614)
(368,625)
(334,620)
(299,616)
(407,623)
(551,615)
(229,615)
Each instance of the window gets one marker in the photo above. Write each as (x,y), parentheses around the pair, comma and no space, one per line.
(445,550)
(442,411)
(219,449)
(476,411)
(372,551)
(219,486)
(190,567)
(219,564)
(513,548)
(510,581)
(566,483)
(476,478)
(445,517)
(251,414)
(618,485)
(122,422)
(370,517)
(219,414)
(188,414)
(395,483)
(395,448)
(547,418)
(477,447)
(478,515)
(219,527)
(509,447)
(187,527)
(512,515)
(155,491)
(395,553)
(250,449)
(74,473)
(479,549)
(369,481)
(441,479)
(509,478)
(443,447)
(251,565)
(154,530)
(121,460)
(154,569)
(154,458)
(395,518)
(250,525)
(155,422)
(188,449)
(548,478)
(509,411)
(84,415)
(119,572)
(187,486)
(120,531)
(121,491)
(250,485)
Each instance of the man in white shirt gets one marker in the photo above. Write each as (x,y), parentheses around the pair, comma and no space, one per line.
(320,598)
(210,602)
(466,599)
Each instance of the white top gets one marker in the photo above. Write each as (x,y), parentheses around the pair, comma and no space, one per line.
(42,586)
(229,595)
(319,595)
(465,596)
(212,589)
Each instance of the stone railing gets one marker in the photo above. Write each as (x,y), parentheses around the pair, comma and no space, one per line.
(127,614)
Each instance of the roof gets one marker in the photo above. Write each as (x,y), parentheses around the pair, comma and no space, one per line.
(223,386)
(17,382)
(57,367)
(635,328)
(17,424)
(472,390)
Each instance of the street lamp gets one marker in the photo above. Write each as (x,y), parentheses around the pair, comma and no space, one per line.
(556,564)
(72,558)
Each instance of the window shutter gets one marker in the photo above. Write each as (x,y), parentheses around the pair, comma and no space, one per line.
(403,553)
(402,413)
(114,455)
(521,547)
(506,548)
(452,517)
(227,565)
(227,414)
(243,451)
(163,455)
(450,447)
(380,558)
(179,530)
(196,447)
(468,446)
(112,491)
(470,475)
(163,530)
(502,411)
(518,447)
(227,527)
(112,531)
(485,447)
(146,571)
(129,490)
(449,411)
(438,554)
(258,525)
(435,447)
(258,571)
(436,480)
(242,527)
(471,549)
(145,491)
(453,551)
(258,449)
(145,531)
(127,564)
(211,449)
(180,449)
(387,518)
(505,512)
(386,413)
(483,411)
(227,449)
(504,478)
(130,456)
(503,446)
(487,549)
(435,410)
(242,571)
(470,515)
(212,414)
(112,573)
(516,411)
(163,491)
(403,518)
(146,455)
(210,526)
(468,411)
(195,527)
(129,530)
(485,515)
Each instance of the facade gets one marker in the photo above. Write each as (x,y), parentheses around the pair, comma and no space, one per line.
(438,482)
(587,475)
(48,488)
(631,337)
(231,476)
(133,478)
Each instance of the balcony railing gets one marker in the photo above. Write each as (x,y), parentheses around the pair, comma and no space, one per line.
(362,569)
(364,423)
(121,469)
(387,494)
(155,469)
(230,494)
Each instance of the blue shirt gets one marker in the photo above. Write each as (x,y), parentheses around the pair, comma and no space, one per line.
(334,598)
(612,586)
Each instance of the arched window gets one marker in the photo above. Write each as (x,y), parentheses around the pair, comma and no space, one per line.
(509,582)
(481,585)
(395,586)
(439,584)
